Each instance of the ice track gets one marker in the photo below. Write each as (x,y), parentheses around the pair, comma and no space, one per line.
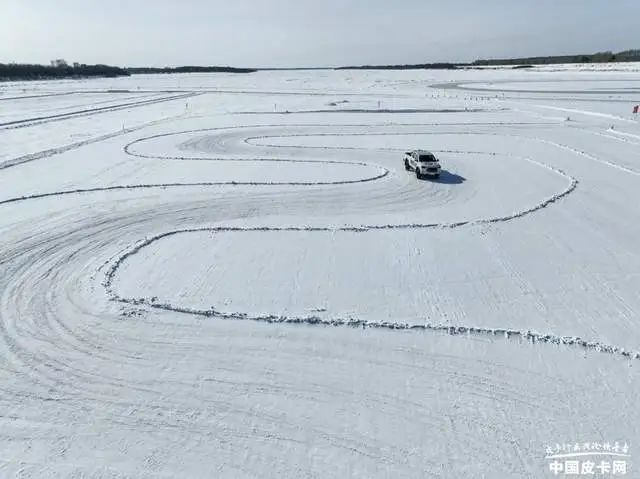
(220,295)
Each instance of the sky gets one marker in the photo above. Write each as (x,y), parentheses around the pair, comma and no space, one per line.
(306,33)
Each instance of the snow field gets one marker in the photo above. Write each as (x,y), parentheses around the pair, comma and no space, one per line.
(212,292)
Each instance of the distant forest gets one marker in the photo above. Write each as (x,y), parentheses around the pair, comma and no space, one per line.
(424,66)
(602,57)
(58,69)
(61,69)
(190,69)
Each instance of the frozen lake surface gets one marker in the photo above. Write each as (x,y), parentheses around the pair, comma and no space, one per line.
(230,276)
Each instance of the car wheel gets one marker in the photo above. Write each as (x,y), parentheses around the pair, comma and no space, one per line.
(406,165)
(418,175)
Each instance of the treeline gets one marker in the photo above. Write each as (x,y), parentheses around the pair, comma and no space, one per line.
(189,69)
(423,66)
(601,57)
(60,69)
(15,71)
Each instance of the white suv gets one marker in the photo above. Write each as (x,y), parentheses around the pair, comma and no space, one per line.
(424,163)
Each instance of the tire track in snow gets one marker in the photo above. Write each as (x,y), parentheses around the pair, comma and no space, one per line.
(383,110)
(81,370)
(455,330)
(383,172)
(186,185)
(529,336)
(29,122)
(37,96)
(582,153)
(74,146)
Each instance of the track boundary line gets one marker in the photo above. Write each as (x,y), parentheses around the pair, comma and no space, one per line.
(530,336)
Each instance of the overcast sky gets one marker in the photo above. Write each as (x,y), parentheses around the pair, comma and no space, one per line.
(309,32)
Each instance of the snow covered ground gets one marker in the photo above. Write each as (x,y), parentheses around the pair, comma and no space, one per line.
(233,276)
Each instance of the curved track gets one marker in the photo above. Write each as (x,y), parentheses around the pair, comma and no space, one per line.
(174,387)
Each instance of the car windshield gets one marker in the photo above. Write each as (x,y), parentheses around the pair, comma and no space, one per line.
(427,158)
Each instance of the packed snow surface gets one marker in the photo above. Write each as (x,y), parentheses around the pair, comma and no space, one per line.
(233,276)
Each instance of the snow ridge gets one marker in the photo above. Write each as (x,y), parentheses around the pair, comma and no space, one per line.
(530,336)
(14,125)
(74,146)
(199,184)
(513,334)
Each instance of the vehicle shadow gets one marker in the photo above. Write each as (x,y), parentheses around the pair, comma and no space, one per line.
(447,178)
